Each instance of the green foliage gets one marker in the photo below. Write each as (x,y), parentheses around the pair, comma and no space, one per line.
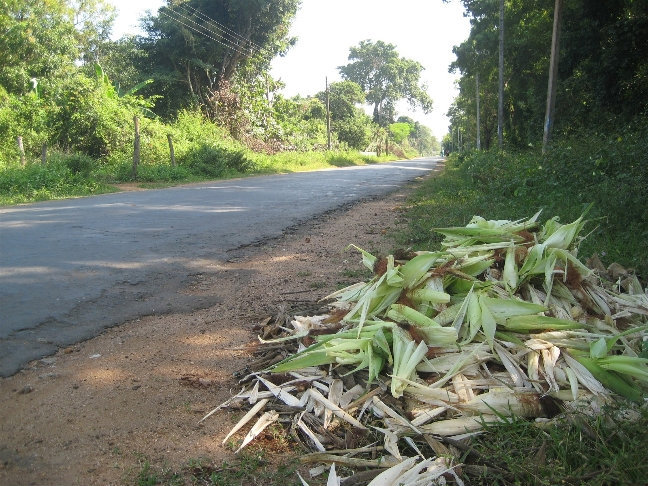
(63,176)
(602,68)
(344,96)
(215,161)
(39,42)
(79,163)
(608,171)
(191,64)
(301,123)
(91,118)
(355,132)
(400,131)
(386,78)
(575,450)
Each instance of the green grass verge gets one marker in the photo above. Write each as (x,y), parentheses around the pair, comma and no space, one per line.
(250,468)
(612,175)
(575,450)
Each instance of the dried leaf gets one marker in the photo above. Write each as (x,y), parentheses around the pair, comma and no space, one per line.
(246,418)
(261,424)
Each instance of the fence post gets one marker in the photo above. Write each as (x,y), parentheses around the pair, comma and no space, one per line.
(171,152)
(44,154)
(21,149)
(136,147)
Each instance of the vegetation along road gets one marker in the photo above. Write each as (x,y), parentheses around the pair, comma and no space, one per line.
(69,269)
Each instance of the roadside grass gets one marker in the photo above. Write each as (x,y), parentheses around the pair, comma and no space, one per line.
(610,175)
(575,449)
(252,467)
(63,176)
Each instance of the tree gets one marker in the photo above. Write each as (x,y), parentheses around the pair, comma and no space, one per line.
(198,47)
(421,137)
(349,122)
(602,73)
(93,21)
(344,96)
(385,78)
(38,43)
(399,132)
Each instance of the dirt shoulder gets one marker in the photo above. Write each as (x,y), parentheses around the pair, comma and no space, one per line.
(91,414)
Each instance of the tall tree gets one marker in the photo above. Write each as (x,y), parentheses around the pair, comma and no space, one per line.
(602,74)
(196,47)
(385,78)
(93,21)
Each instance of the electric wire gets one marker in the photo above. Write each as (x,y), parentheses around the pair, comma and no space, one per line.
(219,26)
(212,32)
(177,17)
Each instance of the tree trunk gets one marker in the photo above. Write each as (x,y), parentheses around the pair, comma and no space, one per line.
(553,76)
(500,101)
(477,109)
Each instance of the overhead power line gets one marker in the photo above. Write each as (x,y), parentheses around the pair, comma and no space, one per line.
(221,27)
(211,29)
(198,28)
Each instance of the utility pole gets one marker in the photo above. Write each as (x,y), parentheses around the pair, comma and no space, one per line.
(500,101)
(477,107)
(328,116)
(553,75)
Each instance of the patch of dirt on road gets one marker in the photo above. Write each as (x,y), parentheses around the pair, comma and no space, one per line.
(95,412)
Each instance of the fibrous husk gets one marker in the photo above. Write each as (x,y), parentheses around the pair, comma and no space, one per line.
(504,321)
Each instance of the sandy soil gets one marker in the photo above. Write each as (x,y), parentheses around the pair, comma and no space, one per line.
(90,414)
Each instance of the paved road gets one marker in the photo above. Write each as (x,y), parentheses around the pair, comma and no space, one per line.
(69,269)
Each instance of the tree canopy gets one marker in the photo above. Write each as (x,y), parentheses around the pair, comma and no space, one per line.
(196,48)
(602,66)
(385,78)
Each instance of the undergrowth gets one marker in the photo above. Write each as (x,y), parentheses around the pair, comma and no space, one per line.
(610,173)
(203,151)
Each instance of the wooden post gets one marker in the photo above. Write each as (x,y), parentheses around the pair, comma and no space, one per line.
(44,154)
(500,100)
(21,149)
(136,147)
(328,116)
(171,151)
(553,75)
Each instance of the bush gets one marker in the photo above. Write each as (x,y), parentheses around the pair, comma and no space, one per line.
(215,161)
(36,182)
(609,171)
(79,163)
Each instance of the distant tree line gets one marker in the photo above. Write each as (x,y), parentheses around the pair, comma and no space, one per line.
(602,70)
(65,83)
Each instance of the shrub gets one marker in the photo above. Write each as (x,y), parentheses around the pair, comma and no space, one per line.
(79,163)
(215,161)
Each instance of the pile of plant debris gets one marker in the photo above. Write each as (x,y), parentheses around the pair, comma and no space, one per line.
(503,321)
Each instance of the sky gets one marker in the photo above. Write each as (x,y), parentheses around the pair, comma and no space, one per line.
(422,30)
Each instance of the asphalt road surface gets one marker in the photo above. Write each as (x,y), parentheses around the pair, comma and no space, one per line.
(71,268)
